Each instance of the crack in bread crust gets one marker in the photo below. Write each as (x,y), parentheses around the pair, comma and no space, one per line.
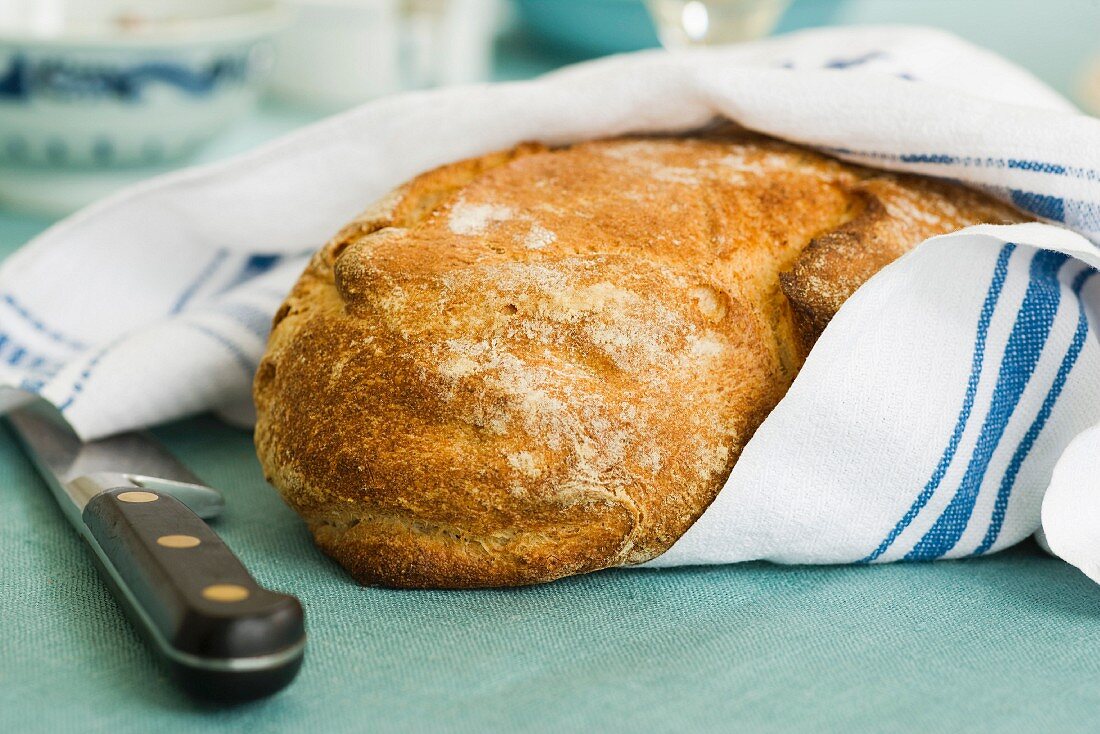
(545,362)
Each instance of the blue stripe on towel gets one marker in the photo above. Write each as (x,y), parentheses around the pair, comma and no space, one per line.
(32,385)
(850,62)
(1025,344)
(945,159)
(1000,271)
(1037,166)
(966,161)
(940,158)
(20,355)
(247,362)
(1048,207)
(84,376)
(252,318)
(38,325)
(258,264)
(254,266)
(1078,214)
(200,280)
(1036,427)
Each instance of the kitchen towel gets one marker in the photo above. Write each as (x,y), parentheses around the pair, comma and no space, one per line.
(952,394)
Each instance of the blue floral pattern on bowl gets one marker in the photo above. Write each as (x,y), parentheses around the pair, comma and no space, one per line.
(63,78)
(110,107)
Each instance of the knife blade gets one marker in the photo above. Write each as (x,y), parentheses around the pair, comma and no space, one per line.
(222,635)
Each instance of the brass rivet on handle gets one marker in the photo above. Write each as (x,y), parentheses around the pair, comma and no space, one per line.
(225,592)
(137,497)
(178,541)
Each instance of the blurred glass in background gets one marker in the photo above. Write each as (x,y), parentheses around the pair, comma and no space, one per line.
(1058,40)
(95,94)
(682,23)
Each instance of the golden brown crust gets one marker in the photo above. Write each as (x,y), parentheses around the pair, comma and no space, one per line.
(545,362)
(894,214)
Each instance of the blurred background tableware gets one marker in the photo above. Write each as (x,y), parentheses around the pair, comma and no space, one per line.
(1056,39)
(682,23)
(98,91)
(96,94)
(579,29)
(1088,85)
(337,53)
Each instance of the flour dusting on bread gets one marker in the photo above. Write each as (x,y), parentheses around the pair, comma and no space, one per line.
(474,219)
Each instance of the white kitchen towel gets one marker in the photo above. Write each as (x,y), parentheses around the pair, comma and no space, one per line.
(929,419)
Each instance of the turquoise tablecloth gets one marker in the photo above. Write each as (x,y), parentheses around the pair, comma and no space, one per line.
(1009,642)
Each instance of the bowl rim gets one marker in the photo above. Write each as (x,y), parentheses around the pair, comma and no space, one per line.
(213,30)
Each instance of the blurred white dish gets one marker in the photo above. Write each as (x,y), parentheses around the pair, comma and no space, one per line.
(339,53)
(103,84)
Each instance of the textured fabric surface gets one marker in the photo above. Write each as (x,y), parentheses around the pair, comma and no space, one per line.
(1006,642)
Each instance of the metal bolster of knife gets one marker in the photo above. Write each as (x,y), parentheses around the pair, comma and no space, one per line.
(80,471)
(205,502)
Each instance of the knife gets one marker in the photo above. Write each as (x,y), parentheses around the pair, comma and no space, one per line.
(222,635)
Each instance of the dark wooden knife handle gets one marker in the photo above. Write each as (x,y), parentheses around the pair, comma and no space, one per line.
(224,636)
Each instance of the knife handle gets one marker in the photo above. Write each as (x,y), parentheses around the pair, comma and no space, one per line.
(224,636)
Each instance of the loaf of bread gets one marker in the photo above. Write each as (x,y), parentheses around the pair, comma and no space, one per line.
(544,362)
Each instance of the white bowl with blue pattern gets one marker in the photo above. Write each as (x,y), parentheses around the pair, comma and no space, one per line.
(110,84)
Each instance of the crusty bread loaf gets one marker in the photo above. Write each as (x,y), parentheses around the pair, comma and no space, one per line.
(545,362)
